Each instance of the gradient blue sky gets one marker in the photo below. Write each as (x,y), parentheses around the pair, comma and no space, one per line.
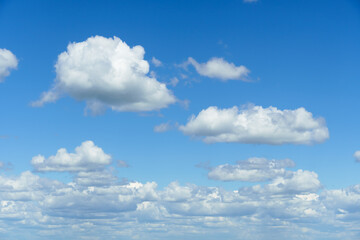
(299,53)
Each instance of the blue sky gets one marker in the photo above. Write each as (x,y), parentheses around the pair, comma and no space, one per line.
(230,119)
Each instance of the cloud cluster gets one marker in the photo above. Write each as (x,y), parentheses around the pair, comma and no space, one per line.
(106,72)
(8,61)
(125,210)
(95,205)
(219,68)
(251,170)
(256,125)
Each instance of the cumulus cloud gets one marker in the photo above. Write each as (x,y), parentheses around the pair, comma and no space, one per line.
(257,125)
(251,170)
(87,157)
(107,72)
(219,68)
(8,61)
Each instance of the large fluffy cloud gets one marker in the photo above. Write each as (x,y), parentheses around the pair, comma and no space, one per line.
(251,170)
(107,72)
(257,125)
(219,68)
(87,157)
(8,61)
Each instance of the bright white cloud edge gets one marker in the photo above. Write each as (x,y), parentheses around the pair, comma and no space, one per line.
(106,72)
(256,125)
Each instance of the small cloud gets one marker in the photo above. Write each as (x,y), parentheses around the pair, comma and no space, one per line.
(156,62)
(173,81)
(185,104)
(219,68)
(6,166)
(221,43)
(249,1)
(122,164)
(164,127)
(205,165)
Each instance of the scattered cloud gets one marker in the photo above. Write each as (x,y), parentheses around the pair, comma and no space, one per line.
(174,81)
(252,170)
(87,157)
(256,125)
(156,62)
(106,72)
(8,61)
(219,68)
(163,127)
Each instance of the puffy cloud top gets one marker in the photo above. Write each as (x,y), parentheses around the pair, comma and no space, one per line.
(251,170)
(107,72)
(257,125)
(8,61)
(219,68)
(87,157)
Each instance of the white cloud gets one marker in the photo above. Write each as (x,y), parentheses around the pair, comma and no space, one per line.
(156,62)
(249,1)
(219,68)
(87,157)
(106,71)
(357,156)
(251,170)
(257,125)
(8,61)
(163,127)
